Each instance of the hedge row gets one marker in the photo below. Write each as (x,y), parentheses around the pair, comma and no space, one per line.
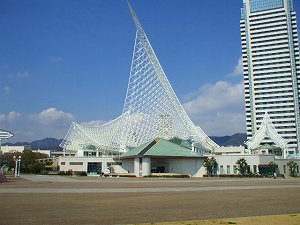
(169,176)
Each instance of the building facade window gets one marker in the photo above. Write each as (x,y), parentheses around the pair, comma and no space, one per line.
(76,163)
(228,169)
(89,154)
(221,169)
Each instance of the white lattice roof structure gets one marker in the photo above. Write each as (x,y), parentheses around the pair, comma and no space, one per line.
(267,129)
(151,109)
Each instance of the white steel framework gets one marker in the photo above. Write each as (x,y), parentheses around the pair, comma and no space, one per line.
(151,109)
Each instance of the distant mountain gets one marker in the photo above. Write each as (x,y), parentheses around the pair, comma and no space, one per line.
(45,144)
(233,140)
(53,143)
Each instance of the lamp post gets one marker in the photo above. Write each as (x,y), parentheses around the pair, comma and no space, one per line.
(17,165)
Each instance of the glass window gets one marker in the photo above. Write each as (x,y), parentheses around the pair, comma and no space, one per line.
(76,163)
(89,154)
(228,169)
(259,5)
(221,169)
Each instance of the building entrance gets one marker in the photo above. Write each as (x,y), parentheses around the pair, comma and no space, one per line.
(94,168)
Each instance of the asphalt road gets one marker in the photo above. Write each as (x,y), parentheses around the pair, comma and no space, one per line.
(94,200)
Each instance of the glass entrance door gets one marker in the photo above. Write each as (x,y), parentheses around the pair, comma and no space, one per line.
(94,168)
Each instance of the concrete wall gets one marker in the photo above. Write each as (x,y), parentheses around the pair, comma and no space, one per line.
(254,160)
(136,167)
(229,150)
(127,165)
(146,166)
(284,168)
(194,167)
(84,161)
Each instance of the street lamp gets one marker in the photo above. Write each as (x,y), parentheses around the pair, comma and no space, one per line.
(17,166)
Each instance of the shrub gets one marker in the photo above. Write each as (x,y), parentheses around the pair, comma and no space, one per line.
(241,176)
(169,176)
(82,173)
(69,172)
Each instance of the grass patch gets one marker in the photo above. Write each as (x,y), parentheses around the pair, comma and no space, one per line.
(289,219)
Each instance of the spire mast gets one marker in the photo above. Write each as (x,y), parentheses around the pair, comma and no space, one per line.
(134,17)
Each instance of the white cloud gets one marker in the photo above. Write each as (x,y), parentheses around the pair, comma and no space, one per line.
(50,122)
(94,123)
(12,116)
(238,69)
(218,108)
(24,74)
(2,117)
(7,90)
(53,116)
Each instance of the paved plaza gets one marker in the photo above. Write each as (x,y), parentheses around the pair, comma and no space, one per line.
(34,199)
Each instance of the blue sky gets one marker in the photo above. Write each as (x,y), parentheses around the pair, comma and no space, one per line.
(64,61)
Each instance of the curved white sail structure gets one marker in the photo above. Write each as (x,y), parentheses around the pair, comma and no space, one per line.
(267,129)
(151,109)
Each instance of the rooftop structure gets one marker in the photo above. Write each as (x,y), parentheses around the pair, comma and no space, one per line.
(160,148)
(267,129)
(4,134)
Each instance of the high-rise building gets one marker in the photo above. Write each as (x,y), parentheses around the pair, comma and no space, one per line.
(271,67)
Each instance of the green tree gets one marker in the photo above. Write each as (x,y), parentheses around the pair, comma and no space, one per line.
(273,166)
(242,166)
(36,167)
(8,159)
(30,162)
(292,168)
(210,164)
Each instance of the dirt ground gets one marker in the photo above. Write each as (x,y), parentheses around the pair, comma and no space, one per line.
(265,197)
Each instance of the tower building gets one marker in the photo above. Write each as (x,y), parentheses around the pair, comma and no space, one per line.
(271,67)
